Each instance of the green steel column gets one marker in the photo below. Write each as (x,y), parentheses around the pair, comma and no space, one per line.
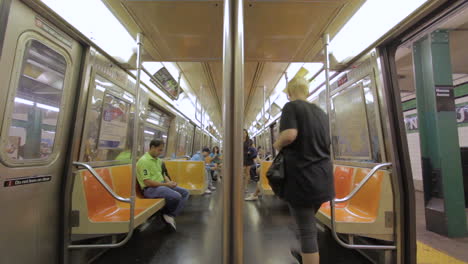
(440,149)
(32,146)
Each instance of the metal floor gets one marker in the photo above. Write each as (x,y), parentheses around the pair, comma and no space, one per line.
(268,237)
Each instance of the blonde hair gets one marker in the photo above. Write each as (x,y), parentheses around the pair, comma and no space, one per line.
(298,86)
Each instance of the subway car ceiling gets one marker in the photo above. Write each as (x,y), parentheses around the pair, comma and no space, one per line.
(280,36)
(273,39)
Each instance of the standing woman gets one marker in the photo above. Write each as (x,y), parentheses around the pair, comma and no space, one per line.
(305,144)
(215,157)
(248,160)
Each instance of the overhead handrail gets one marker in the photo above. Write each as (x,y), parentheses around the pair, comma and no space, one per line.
(348,197)
(102,182)
(196,109)
(178,86)
(131,200)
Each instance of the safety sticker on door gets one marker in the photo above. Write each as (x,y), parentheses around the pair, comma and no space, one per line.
(26,180)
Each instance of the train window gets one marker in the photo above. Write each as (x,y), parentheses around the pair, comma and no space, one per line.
(181,138)
(354,123)
(156,127)
(109,123)
(150,133)
(189,139)
(36,104)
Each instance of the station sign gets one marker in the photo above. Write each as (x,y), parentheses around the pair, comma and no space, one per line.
(411,121)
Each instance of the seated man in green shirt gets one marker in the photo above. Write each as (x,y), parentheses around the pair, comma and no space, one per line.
(154,185)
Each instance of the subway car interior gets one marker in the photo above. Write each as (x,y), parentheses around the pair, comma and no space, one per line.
(89,85)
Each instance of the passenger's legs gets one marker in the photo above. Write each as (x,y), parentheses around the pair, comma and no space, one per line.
(185,195)
(209,180)
(246,177)
(307,230)
(172,198)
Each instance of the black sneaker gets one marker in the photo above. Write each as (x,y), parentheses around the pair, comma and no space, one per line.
(297,255)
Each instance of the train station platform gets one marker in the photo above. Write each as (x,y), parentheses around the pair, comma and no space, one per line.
(434,248)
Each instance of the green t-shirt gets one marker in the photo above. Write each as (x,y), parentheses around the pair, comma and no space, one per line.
(125,156)
(149,168)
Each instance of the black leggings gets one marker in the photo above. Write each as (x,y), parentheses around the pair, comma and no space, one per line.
(306,227)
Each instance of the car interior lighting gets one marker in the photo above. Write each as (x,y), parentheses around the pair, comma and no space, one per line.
(100,88)
(23,101)
(152,121)
(379,17)
(312,68)
(83,14)
(48,107)
(149,132)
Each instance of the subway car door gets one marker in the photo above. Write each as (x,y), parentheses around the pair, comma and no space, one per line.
(39,73)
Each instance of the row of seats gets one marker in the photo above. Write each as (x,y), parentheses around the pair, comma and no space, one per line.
(101,214)
(369,213)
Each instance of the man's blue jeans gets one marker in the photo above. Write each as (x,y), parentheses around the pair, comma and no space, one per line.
(175,198)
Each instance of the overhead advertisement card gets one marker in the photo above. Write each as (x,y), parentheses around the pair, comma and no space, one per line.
(164,80)
(114,123)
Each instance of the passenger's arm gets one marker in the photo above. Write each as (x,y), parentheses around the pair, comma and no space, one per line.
(143,173)
(285,138)
(171,183)
(289,127)
(150,183)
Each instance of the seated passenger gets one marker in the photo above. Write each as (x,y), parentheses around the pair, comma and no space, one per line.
(215,157)
(202,157)
(154,185)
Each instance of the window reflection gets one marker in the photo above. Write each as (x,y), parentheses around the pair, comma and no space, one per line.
(109,123)
(37,103)
(156,126)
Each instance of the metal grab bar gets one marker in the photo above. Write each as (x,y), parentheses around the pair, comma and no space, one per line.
(348,197)
(102,182)
(364,181)
(196,108)
(178,86)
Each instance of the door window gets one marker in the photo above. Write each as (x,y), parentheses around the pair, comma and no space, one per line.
(36,105)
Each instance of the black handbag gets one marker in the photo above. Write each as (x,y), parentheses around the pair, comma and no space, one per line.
(276,175)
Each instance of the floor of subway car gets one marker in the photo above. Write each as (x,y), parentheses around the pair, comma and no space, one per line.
(268,236)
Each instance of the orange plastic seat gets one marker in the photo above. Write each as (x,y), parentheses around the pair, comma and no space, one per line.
(121,177)
(263,183)
(102,207)
(363,207)
(343,182)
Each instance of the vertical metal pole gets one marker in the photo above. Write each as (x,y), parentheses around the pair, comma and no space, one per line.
(326,65)
(326,42)
(233,111)
(263,116)
(136,122)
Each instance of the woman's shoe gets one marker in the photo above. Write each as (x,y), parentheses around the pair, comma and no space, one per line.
(251,197)
(297,255)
